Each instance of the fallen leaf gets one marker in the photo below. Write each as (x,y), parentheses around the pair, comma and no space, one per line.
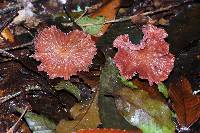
(163,21)
(24,128)
(152,90)
(148,114)
(109,11)
(7,35)
(185,104)
(104,130)
(38,123)
(8,120)
(90,119)
(69,87)
(109,83)
(78,110)
(91,26)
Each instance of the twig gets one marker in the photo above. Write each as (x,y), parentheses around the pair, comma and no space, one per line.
(10,96)
(81,16)
(12,129)
(4,52)
(18,46)
(130,17)
(7,54)
(136,15)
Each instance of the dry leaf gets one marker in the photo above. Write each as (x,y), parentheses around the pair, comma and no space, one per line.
(152,91)
(186,105)
(104,130)
(6,33)
(90,118)
(163,21)
(109,11)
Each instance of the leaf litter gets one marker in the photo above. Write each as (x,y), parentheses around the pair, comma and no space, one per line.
(139,109)
(185,104)
(86,115)
(95,21)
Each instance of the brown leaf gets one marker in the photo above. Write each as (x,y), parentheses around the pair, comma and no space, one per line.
(90,118)
(91,78)
(8,120)
(186,105)
(109,11)
(152,90)
(104,130)
(6,33)
(163,22)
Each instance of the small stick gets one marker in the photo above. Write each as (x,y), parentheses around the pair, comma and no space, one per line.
(7,54)
(19,46)
(140,14)
(12,129)
(81,16)
(4,52)
(10,96)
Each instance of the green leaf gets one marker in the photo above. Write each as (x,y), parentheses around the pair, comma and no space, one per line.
(127,83)
(163,89)
(38,123)
(139,109)
(109,83)
(69,87)
(90,25)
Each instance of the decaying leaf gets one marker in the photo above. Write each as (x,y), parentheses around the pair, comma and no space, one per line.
(139,109)
(6,33)
(152,90)
(69,87)
(91,25)
(104,130)
(39,123)
(10,120)
(163,21)
(90,118)
(185,104)
(109,83)
(109,11)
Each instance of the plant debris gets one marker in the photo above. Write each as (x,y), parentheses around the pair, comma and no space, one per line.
(99,66)
(186,105)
